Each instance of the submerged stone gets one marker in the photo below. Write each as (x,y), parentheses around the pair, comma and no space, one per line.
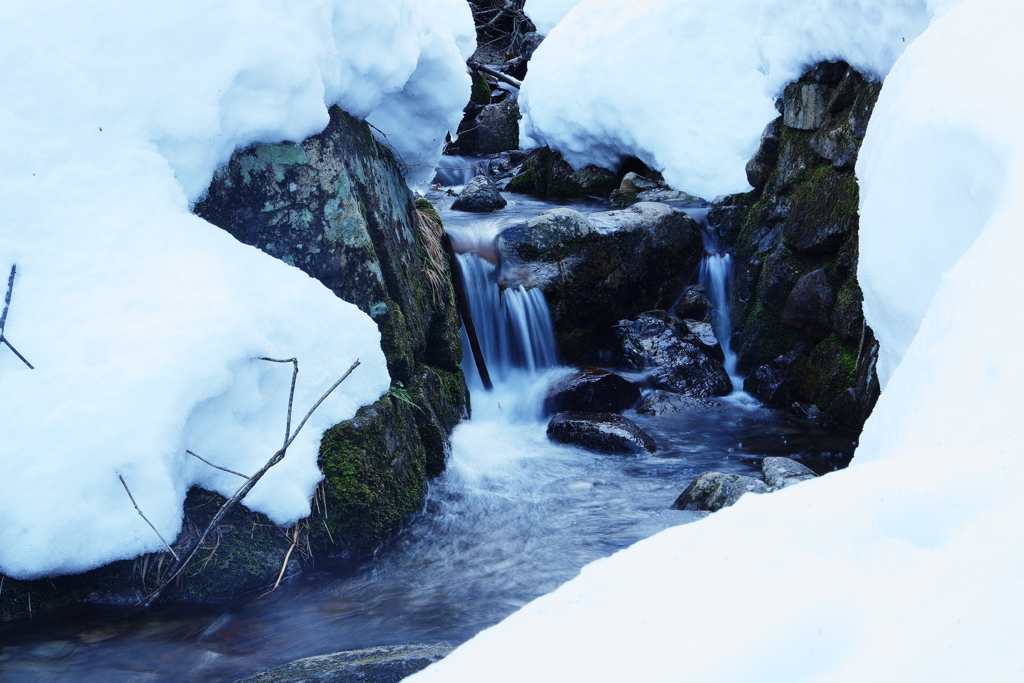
(600,432)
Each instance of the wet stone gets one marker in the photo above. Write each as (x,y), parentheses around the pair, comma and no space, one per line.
(480,195)
(600,432)
(592,390)
(778,473)
(713,491)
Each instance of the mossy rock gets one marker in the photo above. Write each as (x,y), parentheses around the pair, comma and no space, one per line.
(546,172)
(481,90)
(822,212)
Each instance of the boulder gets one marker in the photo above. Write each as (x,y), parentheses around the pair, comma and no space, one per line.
(634,260)
(806,105)
(693,305)
(778,473)
(600,432)
(546,172)
(774,383)
(548,235)
(809,306)
(633,183)
(675,357)
(713,491)
(660,402)
(497,128)
(591,390)
(761,165)
(479,195)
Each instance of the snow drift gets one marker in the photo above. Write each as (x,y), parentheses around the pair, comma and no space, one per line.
(143,321)
(687,87)
(904,566)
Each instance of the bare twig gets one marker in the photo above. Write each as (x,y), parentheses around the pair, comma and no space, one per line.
(128,491)
(483,68)
(223,469)
(3,317)
(284,564)
(186,556)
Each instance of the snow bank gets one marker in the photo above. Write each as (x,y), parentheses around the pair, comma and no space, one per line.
(904,566)
(545,14)
(688,87)
(142,320)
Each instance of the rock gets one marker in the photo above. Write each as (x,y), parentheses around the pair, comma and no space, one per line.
(778,275)
(805,105)
(481,91)
(844,410)
(660,402)
(808,410)
(778,473)
(713,491)
(600,432)
(761,165)
(635,260)
(809,305)
(386,664)
(773,383)
(823,213)
(632,183)
(545,172)
(704,335)
(693,305)
(676,197)
(479,195)
(591,390)
(548,236)
(675,357)
(497,128)
(848,317)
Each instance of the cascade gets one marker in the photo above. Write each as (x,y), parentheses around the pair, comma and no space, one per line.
(455,171)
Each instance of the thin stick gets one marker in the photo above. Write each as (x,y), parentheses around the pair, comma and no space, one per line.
(284,565)
(23,359)
(128,491)
(473,64)
(7,299)
(223,469)
(186,556)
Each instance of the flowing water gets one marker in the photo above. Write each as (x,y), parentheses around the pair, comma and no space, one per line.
(511,518)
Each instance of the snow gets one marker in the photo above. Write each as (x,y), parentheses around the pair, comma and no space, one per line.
(906,565)
(143,321)
(545,14)
(688,87)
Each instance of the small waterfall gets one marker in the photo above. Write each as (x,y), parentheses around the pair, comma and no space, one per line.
(716,278)
(513,326)
(455,171)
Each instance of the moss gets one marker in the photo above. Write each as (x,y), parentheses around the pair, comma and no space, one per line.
(750,219)
(833,367)
(424,205)
(626,199)
(481,91)
(763,336)
(524,183)
(395,342)
(374,479)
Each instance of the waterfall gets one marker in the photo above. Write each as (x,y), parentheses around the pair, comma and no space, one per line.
(513,326)
(716,278)
(455,171)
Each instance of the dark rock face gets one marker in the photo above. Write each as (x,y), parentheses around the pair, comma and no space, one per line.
(497,128)
(809,305)
(592,390)
(660,402)
(693,305)
(386,664)
(713,491)
(545,172)
(795,246)
(337,207)
(479,194)
(608,266)
(680,356)
(600,432)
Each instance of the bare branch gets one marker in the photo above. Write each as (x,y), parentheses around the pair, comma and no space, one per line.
(186,556)
(223,469)
(483,68)
(128,491)
(3,317)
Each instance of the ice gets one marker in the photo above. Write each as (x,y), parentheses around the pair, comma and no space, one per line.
(142,320)
(545,14)
(904,566)
(688,87)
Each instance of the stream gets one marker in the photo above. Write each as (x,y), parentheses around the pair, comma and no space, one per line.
(512,517)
